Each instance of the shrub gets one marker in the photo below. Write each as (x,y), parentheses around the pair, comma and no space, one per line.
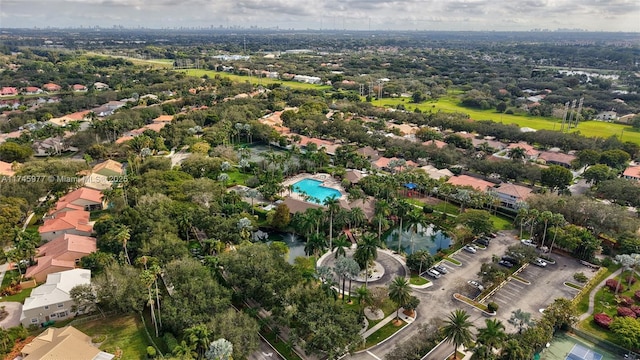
(625,311)
(636,309)
(637,295)
(602,320)
(630,279)
(151,352)
(613,284)
(625,301)
(580,277)
(170,340)
(492,307)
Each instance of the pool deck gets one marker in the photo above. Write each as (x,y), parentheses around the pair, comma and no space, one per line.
(327,181)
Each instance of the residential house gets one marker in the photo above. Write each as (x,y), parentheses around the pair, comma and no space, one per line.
(60,254)
(51,301)
(632,173)
(404,129)
(102,175)
(626,119)
(328,146)
(437,143)
(32,90)
(354,176)
(383,164)
(163,119)
(108,108)
(435,173)
(6,169)
(74,222)
(66,119)
(307,79)
(296,206)
(100,86)
(369,153)
(52,146)
(66,343)
(108,168)
(79,88)
(82,198)
(556,158)
(530,152)
(607,116)
(466,180)
(51,87)
(8,91)
(511,194)
(492,143)
(133,133)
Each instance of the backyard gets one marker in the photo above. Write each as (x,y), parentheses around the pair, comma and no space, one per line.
(124,333)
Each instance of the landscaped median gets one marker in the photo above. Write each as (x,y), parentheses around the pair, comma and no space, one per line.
(475,304)
(384,333)
(418,282)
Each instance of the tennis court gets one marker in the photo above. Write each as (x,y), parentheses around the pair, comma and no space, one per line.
(566,347)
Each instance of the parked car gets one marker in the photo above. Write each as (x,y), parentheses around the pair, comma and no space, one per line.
(528,242)
(433,273)
(506,263)
(441,269)
(540,262)
(510,259)
(482,241)
(470,248)
(475,284)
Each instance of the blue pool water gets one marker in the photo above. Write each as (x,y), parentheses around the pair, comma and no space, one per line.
(425,238)
(315,189)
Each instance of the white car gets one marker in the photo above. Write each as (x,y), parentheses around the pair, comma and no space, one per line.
(528,242)
(470,248)
(433,273)
(475,284)
(540,262)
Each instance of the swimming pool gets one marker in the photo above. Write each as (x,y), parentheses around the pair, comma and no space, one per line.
(315,190)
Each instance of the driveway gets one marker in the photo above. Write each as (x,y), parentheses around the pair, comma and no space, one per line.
(392,268)
(13,319)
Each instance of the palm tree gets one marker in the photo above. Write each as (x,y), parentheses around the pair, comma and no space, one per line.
(493,334)
(198,338)
(382,210)
(523,215)
(401,209)
(415,220)
(340,245)
(332,206)
(364,297)
(122,234)
(457,330)
(399,292)
(513,351)
(358,217)
(520,319)
(366,252)
(341,270)
(353,269)
(534,214)
(558,220)
(517,153)
(316,244)
(545,216)
(147,279)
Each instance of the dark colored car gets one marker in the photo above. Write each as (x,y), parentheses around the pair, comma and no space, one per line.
(509,259)
(482,241)
(506,263)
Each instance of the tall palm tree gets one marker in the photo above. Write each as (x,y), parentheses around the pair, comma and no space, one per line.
(401,210)
(415,220)
(340,245)
(332,206)
(147,279)
(399,292)
(457,330)
(122,234)
(557,221)
(523,215)
(366,252)
(493,334)
(517,153)
(382,210)
(545,216)
(341,270)
(358,217)
(364,297)
(353,269)
(198,338)
(520,319)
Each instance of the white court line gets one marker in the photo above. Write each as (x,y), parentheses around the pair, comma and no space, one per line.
(372,354)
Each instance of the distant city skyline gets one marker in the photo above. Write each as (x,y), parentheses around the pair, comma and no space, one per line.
(445,15)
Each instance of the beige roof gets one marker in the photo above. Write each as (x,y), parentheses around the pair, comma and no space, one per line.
(556,157)
(439,144)
(435,173)
(163,118)
(5,169)
(354,176)
(466,180)
(108,168)
(66,343)
(296,206)
(517,191)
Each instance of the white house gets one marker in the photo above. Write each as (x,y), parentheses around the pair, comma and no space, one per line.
(51,300)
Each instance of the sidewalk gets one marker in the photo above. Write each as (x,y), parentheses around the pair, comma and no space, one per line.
(386,320)
(594,291)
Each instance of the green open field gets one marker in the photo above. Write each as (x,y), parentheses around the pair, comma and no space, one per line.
(254,80)
(122,332)
(450,104)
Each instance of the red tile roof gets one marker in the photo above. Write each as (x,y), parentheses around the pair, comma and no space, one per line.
(51,87)
(83,193)
(68,243)
(439,144)
(556,157)
(68,220)
(632,172)
(517,191)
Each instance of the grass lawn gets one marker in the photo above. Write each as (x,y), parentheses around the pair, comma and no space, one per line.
(471,302)
(19,297)
(254,80)
(453,261)
(447,208)
(583,304)
(123,332)
(237,178)
(280,345)
(451,104)
(572,285)
(384,332)
(501,222)
(418,280)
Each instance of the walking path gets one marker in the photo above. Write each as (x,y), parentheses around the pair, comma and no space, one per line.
(386,320)
(594,291)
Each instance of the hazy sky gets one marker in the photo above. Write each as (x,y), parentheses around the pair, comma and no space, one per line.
(594,15)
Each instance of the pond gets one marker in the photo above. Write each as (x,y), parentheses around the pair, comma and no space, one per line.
(425,238)
(294,243)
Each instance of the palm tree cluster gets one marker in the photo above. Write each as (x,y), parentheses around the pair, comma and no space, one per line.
(534,218)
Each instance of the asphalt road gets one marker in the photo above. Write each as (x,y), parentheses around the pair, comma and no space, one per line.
(265,352)
(436,302)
